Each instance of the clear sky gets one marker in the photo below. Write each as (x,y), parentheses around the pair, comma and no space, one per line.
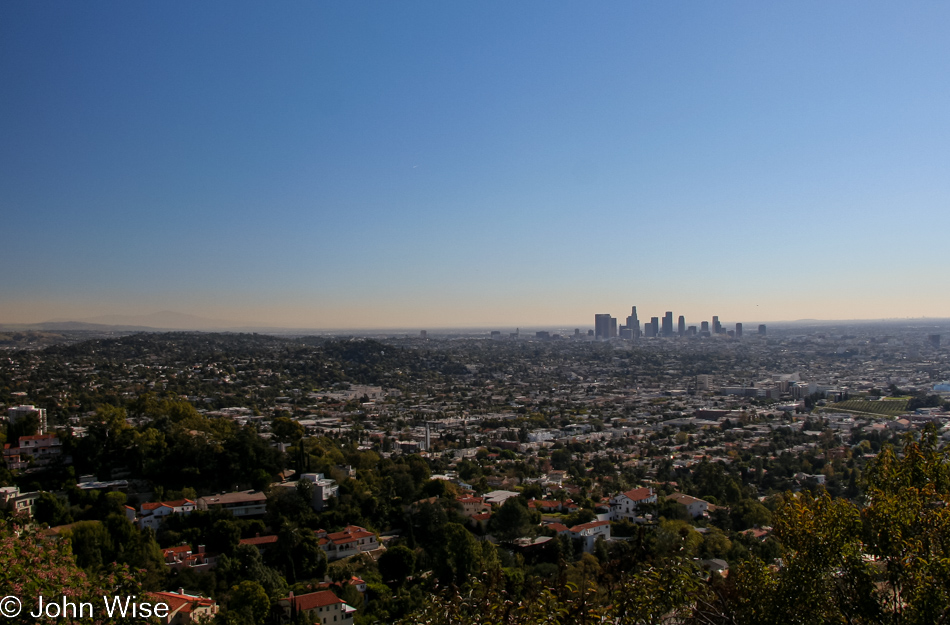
(422,164)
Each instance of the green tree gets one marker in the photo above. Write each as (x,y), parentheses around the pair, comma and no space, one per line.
(249,603)
(31,566)
(397,564)
(52,510)
(224,536)
(561,459)
(287,430)
(26,425)
(459,556)
(512,520)
(883,562)
(91,543)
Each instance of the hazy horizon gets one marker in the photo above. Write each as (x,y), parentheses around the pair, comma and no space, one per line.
(172,321)
(428,165)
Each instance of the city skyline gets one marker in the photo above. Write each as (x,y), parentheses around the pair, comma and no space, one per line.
(688,327)
(424,165)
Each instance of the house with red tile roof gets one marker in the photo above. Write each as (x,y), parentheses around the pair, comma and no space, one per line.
(263,543)
(472,506)
(36,450)
(182,557)
(184,608)
(351,541)
(322,608)
(480,521)
(626,505)
(588,533)
(152,514)
(354,581)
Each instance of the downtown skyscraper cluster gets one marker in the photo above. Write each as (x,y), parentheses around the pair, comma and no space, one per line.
(605,327)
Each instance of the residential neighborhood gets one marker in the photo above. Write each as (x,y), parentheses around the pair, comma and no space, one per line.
(337,480)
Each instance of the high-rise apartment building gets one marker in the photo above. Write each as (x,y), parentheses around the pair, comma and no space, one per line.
(681,326)
(19,412)
(738,330)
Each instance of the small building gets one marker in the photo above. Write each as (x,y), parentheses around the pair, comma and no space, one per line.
(498,497)
(152,514)
(351,541)
(19,504)
(626,505)
(587,533)
(321,607)
(183,557)
(184,608)
(696,507)
(239,503)
(323,489)
(473,506)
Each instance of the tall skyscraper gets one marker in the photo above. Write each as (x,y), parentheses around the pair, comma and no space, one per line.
(602,327)
(668,324)
(633,323)
(681,326)
(704,329)
(761,329)
(738,330)
(654,327)
(613,327)
(716,326)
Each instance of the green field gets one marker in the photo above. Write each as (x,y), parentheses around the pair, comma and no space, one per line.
(887,407)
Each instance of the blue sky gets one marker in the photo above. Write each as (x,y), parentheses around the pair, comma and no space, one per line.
(425,164)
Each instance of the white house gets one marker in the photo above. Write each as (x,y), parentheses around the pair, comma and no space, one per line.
(350,541)
(588,533)
(152,514)
(625,505)
(321,607)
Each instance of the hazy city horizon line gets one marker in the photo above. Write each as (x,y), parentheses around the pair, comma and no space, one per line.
(210,325)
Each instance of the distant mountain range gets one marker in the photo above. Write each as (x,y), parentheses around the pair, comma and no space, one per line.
(165,320)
